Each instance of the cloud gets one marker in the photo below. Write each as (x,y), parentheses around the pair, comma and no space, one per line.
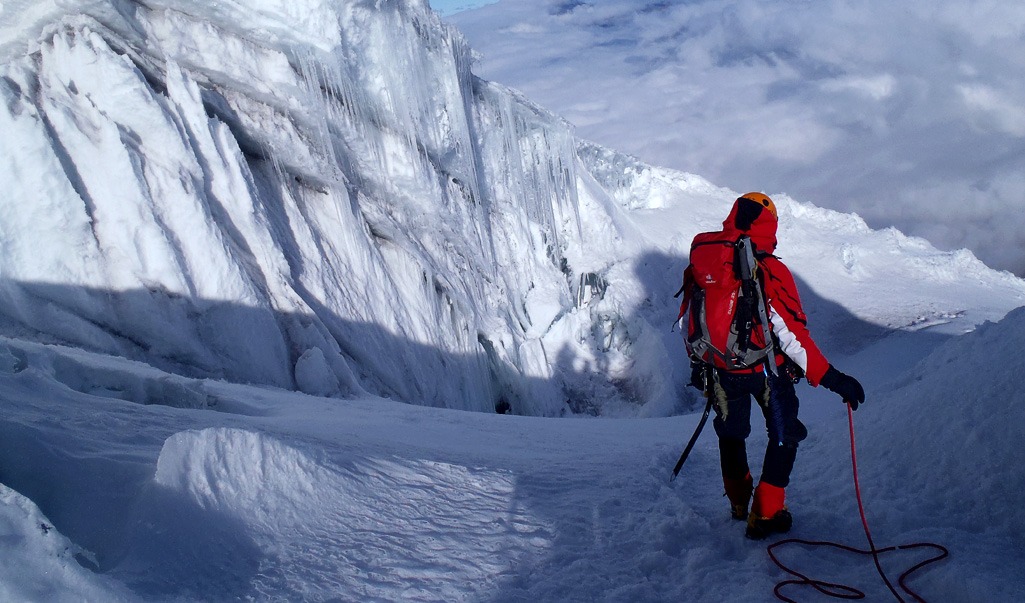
(877,87)
(1003,114)
(909,114)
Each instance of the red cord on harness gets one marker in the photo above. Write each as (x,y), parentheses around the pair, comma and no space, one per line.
(842,591)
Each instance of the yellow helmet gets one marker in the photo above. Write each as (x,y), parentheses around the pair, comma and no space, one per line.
(762,200)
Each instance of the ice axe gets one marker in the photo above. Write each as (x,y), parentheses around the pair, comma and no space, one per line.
(693,438)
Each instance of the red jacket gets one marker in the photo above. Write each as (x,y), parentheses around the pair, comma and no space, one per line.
(789,322)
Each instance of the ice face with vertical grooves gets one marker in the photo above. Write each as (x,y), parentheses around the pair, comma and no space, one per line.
(320,190)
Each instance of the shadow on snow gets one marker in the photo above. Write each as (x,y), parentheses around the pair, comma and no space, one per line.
(45,457)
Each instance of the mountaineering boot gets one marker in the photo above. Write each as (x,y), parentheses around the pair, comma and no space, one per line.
(738,491)
(768,513)
(760,528)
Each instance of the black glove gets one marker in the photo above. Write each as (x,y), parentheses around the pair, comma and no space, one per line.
(846,386)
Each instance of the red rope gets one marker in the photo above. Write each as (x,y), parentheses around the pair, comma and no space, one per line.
(842,591)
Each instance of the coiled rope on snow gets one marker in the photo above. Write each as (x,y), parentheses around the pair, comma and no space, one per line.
(843,591)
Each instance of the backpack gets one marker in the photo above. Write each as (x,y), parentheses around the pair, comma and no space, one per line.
(727,326)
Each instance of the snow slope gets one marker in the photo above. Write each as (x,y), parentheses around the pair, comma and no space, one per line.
(266,494)
(243,252)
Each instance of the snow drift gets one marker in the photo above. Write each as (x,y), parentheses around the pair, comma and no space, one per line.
(939,449)
(463,525)
(961,408)
(33,548)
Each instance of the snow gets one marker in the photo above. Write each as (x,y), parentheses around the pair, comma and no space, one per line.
(255,265)
(39,563)
(265,493)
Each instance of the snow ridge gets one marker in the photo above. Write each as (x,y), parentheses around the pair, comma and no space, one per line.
(293,506)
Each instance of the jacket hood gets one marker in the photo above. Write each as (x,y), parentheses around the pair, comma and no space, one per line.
(754,220)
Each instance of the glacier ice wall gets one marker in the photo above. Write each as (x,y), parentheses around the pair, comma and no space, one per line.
(311,195)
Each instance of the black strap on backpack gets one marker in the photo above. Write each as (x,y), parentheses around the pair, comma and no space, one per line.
(749,278)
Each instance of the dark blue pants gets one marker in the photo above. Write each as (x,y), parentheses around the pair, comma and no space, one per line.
(732,424)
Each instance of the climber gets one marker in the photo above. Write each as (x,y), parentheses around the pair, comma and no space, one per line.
(733,361)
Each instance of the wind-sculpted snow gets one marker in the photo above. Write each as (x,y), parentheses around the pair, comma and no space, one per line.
(964,396)
(395,529)
(34,546)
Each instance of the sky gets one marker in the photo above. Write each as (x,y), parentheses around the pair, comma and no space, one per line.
(450,7)
(909,114)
